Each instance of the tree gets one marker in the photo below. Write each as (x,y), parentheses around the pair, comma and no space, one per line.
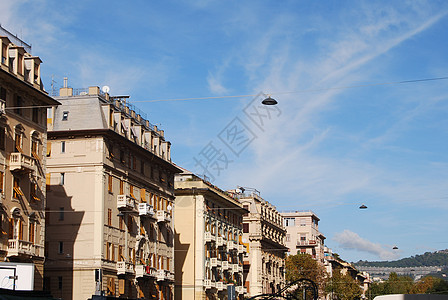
(304,266)
(343,286)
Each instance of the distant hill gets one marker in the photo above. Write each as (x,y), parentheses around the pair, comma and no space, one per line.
(438,258)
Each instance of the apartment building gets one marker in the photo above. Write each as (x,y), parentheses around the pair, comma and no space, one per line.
(208,241)
(23,137)
(303,235)
(110,191)
(264,234)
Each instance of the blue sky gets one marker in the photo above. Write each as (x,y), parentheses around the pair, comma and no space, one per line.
(324,147)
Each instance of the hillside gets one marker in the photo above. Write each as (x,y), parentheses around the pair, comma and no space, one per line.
(438,258)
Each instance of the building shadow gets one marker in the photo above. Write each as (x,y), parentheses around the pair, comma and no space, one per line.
(62,225)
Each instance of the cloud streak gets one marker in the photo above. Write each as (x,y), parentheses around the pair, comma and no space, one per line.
(352,241)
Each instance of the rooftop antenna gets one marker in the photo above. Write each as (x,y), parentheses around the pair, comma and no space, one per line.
(105,89)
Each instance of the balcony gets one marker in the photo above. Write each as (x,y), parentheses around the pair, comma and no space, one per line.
(169,276)
(220,286)
(21,162)
(163,216)
(219,241)
(240,289)
(144,209)
(124,267)
(215,262)
(18,247)
(241,249)
(208,284)
(311,243)
(231,245)
(142,271)
(225,265)
(126,203)
(209,237)
(235,268)
(161,275)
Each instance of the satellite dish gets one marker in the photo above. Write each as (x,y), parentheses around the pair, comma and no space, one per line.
(105,89)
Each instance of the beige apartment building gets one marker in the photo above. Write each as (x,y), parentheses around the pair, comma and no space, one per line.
(303,235)
(23,137)
(208,241)
(110,191)
(264,233)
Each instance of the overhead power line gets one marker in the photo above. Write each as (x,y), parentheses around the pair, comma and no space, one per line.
(300,91)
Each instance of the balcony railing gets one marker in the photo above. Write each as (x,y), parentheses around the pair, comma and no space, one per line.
(220,241)
(209,237)
(145,271)
(240,289)
(21,162)
(18,247)
(208,284)
(231,245)
(307,243)
(220,286)
(144,209)
(163,216)
(241,249)
(125,202)
(225,265)
(215,262)
(161,275)
(124,267)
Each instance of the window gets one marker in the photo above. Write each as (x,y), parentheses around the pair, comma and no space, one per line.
(18,141)
(63,147)
(302,221)
(131,191)
(18,103)
(108,250)
(113,252)
(142,167)
(61,214)
(120,253)
(2,138)
(33,192)
(130,224)
(121,187)
(120,223)
(61,248)
(142,195)
(62,178)
(246,227)
(2,175)
(289,221)
(65,116)
(48,149)
(31,233)
(35,148)
(109,217)
(288,237)
(35,116)
(60,282)
(109,183)
(16,188)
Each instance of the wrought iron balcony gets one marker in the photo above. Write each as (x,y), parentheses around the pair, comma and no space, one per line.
(21,162)
(18,247)
(161,275)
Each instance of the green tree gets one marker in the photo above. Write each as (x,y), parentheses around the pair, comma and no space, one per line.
(343,287)
(304,266)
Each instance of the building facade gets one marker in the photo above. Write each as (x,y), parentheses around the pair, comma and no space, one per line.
(208,241)
(303,235)
(23,103)
(110,190)
(263,231)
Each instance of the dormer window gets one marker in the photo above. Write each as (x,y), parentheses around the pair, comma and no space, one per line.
(65,116)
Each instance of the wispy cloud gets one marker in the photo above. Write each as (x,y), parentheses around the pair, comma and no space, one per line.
(352,241)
